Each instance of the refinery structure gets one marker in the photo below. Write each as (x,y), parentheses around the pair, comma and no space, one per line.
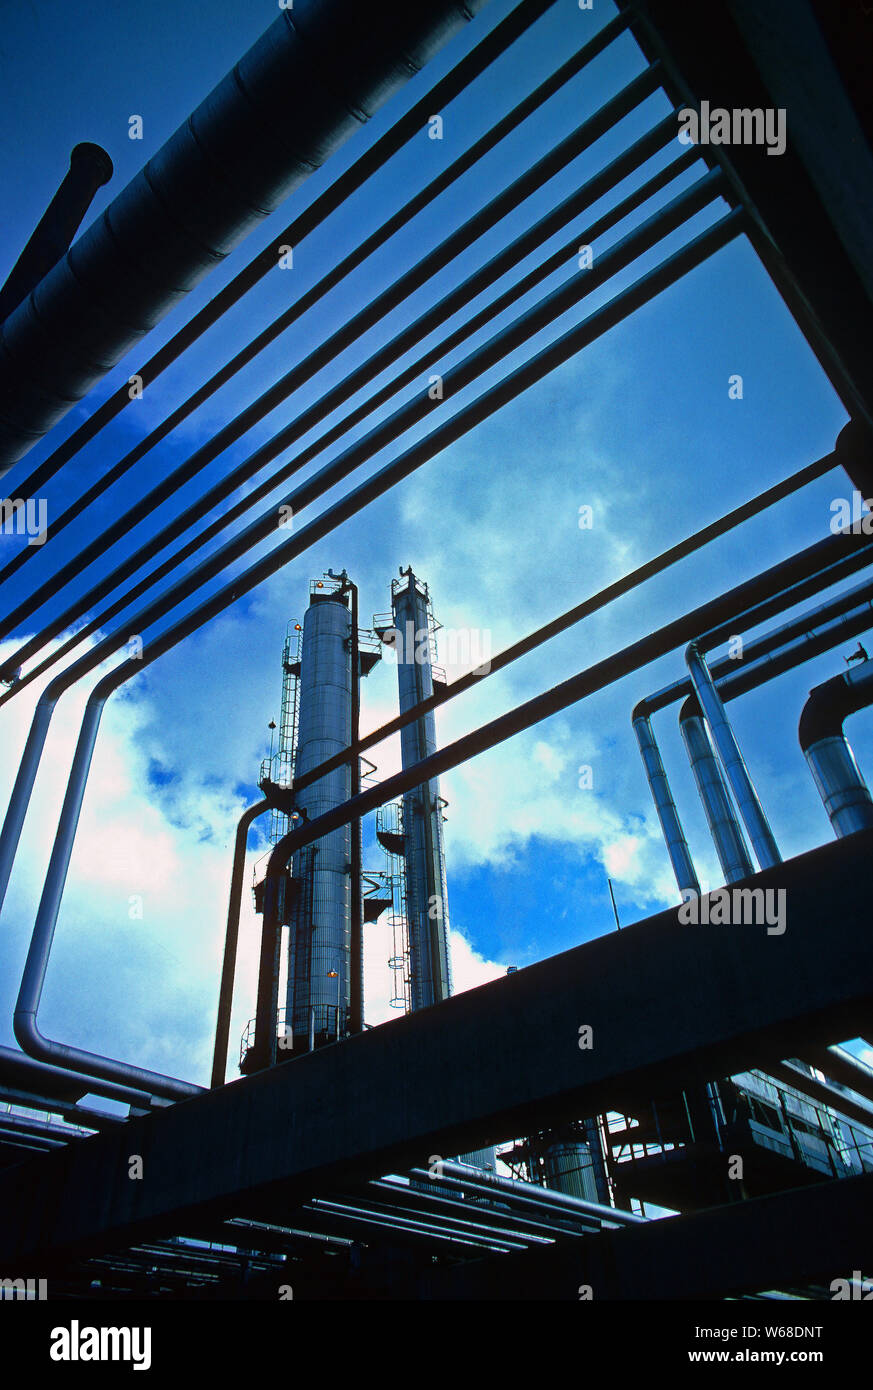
(659,1112)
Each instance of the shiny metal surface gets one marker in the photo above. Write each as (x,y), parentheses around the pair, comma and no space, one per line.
(671,826)
(318,993)
(730,844)
(427,899)
(750,808)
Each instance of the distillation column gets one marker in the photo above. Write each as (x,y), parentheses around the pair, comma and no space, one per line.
(424,854)
(319,995)
(427,911)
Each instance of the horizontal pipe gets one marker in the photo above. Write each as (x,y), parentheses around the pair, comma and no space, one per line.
(386,477)
(17,1069)
(815,631)
(371,161)
(763,593)
(494,1182)
(424,269)
(26,1027)
(311,81)
(360,377)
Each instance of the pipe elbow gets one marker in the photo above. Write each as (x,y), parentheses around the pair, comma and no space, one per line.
(28,1036)
(829,705)
(692,652)
(640,711)
(690,709)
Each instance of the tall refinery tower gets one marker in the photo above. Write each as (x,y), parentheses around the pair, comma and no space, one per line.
(321,893)
(411,632)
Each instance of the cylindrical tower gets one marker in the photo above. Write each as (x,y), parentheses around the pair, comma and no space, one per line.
(318,996)
(427,902)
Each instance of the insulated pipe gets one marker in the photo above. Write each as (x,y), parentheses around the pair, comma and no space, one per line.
(399,290)
(424,270)
(659,786)
(761,594)
(90,167)
(18,1069)
(362,376)
(455,1175)
(486,52)
(749,804)
(387,476)
(231,939)
(313,79)
(406,463)
(817,630)
(814,632)
(837,776)
(724,827)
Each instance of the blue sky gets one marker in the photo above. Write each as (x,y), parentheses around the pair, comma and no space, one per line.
(639,426)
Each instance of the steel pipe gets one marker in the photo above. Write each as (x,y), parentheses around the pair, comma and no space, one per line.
(839,780)
(444,91)
(386,477)
(665,806)
(631,96)
(455,1175)
(231,939)
(361,377)
(90,168)
(751,810)
(223,171)
(727,835)
(425,269)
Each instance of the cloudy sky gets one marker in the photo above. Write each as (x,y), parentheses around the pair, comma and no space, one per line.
(640,427)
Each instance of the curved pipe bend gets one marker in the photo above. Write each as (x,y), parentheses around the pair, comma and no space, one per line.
(839,780)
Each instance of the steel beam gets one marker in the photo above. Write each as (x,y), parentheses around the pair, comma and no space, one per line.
(807,1236)
(669,1005)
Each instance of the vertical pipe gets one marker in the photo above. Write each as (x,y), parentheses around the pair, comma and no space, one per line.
(228,969)
(356,962)
(724,828)
(659,786)
(751,810)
